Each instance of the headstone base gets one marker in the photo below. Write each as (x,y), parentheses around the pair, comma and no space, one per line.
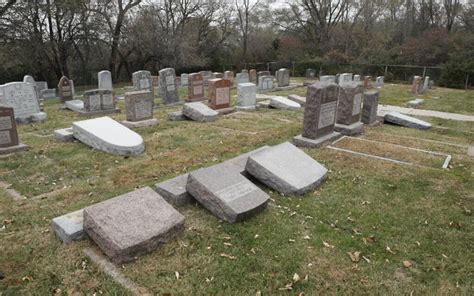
(246,108)
(140,124)
(373,124)
(85,113)
(174,190)
(225,111)
(13,149)
(298,99)
(301,141)
(350,130)
(177,116)
(309,82)
(69,227)
(38,117)
(263,104)
(171,104)
(64,134)
(283,88)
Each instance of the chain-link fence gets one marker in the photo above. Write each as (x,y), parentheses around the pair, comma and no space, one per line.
(392,73)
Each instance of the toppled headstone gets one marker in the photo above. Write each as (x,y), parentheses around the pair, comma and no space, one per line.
(246,96)
(349,109)
(405,120)
(371,104)
(74,105)
(107,135)
(319,116)
(174,190)
(297,99)
(9,142)
(286,169)
(415,103)
(283,103)
(132,224)
(69,227)
(197,111)
(226,193)
(23,98)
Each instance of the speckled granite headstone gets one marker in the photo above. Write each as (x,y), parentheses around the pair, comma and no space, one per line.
(371,104)
(168,89)
(219,93)
(132,224)
(66,92)
(139,105)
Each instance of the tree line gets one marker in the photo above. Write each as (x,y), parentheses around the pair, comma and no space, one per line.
(78,38)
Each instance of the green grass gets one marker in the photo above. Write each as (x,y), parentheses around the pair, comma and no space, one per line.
(423,214)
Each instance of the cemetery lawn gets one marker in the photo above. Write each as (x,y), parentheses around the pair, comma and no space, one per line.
(408,228)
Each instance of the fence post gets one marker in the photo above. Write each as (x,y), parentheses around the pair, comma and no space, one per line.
(467,82)
(424,71)
(294,65)
(386,71)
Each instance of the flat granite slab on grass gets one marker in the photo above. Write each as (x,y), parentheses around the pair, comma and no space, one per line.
(297,99)
(174,190)
(286,169)
(132,224)
(405,120)
(69,227)
(197,111)
(284,103)
(107,135)
(226,193)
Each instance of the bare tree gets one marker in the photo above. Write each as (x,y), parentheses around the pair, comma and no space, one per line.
(452,9)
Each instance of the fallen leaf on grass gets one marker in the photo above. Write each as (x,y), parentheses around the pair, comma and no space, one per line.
(228,244)
(389,250)
(177,275)
(227,256)
(287,288)
(328,245)
(354,256)
(407,264)
(307,237)
(27,278)
(296,278)
(366,259)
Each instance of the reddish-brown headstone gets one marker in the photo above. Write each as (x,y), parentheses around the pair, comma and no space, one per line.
(65,89)
(367,81)
(195,87)
(253,75)
(219,93)
(8,132)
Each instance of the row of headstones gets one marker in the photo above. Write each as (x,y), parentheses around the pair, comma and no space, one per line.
(332,109)
(224,189)
(345,78)
(421,85)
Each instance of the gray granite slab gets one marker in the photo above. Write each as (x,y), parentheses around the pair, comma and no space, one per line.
(69,227)
(226,193)
(64,134)
(174,190)
(177,116)
(197,111)
(286,169)
(132,224)
(415,103)
(405,120)
(284,103)
(297,99)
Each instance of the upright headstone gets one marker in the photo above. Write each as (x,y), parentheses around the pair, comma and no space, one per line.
(184,79)
(195,87)
(345,78)
(310,74)
(246,95)
(244,71)
(216,75)
(9,142)
(415,84)
(65,89)
(99,99)
(369,111)
(41,85)
(29,79)
(367,81)
(356,78)
(349,109)
(105,80)
(426,84)
(327,79)
(229,75)
(283,77)
(242,78)
(142,80)
(379,81)
(139,105)
(262,73)
(253,76)
(206,75)
(265,83)
(22,97)
(169,91)
(219,93)
(319,116)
